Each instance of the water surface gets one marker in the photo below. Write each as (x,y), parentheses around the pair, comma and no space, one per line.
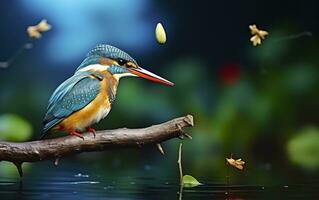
(66,183)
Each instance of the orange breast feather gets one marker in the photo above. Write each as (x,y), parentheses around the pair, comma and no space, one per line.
(91,113)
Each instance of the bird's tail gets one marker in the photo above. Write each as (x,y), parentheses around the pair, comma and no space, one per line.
(47,126)
(45,132)
(42,136)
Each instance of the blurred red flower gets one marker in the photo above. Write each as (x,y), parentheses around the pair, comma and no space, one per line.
(229,73)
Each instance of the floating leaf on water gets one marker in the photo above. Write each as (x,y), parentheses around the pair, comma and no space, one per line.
(160,34)
(258,35)
(236,163)
(189,181)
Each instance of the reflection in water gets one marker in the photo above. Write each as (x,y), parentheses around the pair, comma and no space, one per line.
(43,182)
(180,193)
(68,186)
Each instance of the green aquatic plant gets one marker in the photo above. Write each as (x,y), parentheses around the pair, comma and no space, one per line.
(185,180)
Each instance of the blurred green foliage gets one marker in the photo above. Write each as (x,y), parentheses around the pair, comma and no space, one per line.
(9,170)
(303,148)
(14,128)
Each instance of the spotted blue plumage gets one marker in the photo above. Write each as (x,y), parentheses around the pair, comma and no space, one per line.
(115,69)
(72,95)
(106,51)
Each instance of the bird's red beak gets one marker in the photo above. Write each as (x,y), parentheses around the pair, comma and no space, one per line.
(140,72)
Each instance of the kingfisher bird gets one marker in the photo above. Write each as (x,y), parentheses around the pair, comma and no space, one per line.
(86,97)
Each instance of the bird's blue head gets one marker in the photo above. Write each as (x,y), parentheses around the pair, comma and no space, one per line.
(118,63)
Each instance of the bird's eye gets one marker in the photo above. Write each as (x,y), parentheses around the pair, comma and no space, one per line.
(121,61)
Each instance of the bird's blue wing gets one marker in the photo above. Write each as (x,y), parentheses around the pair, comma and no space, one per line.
(72,95)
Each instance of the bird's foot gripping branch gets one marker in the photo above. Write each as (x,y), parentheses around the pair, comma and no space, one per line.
(33,151)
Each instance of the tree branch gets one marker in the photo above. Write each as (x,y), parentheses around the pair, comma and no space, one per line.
(33,151)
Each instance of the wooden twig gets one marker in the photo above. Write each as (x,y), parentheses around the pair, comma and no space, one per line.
(160,148)
(16,55)
(33,151)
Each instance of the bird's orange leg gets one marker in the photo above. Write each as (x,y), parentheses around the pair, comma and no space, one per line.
(91,130)
(73,132)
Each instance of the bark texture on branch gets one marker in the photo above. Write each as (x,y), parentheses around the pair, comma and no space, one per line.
(56,148)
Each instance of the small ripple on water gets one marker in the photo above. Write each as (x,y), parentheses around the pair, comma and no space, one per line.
(75,182)
(7,183)
(79,175)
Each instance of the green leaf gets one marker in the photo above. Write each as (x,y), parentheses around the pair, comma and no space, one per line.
(14,128)
(189,181)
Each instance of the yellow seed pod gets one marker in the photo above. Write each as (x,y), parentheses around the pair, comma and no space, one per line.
(160,34)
